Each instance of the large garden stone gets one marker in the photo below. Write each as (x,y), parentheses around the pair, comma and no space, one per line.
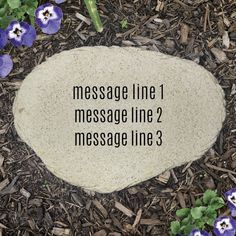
(44,110)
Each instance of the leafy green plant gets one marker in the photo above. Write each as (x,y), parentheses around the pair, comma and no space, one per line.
(124,24)
(198,217)
(16,10)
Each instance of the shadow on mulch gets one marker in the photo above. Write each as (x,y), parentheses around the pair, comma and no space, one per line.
(34,202)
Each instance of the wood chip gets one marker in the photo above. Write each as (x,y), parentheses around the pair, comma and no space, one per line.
(32,224)
(184,32)
(226,40)
(181,200)
(77,200)
(83,18)
(25,193)
(1,160)
(221,27)
(174,176)
(137,218)
(60,231)
(219,54)
(187,166)
(3,226)
(220,169)
(3,184)
(164,177)
(151,222)
(160,5)
(100,207)
(116,222)
(100,233)
(124,209)
(226,21)
(232,178)
(114,234)
(128,43)
(133,190)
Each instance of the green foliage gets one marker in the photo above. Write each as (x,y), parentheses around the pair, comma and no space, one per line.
(198,217)
(16,10)
(124,24)
(175,227)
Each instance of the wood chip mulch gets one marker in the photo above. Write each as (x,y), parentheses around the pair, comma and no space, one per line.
(34,202)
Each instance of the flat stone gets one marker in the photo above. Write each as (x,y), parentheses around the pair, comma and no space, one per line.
(188,103)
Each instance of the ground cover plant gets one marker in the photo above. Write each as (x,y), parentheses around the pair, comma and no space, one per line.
(204,215)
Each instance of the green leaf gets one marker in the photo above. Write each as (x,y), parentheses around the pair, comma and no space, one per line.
(13,4)
(198,202)
(210,212)
(31,3)
(3,10)
(175,227)
(187,229)
(19,13)
(2,2)
(210,216)
(186,220)
(183,212)
(30,11)
(197,212)
(4,21)
(208,196)
(210,221)
(200,223)
(217,203)
(124,24)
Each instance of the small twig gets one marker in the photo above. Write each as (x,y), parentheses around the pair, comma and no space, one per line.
(220,169)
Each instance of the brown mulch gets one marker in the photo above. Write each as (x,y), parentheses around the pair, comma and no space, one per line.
(34,202)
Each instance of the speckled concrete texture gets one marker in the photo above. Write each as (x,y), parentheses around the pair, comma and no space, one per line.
(192,114)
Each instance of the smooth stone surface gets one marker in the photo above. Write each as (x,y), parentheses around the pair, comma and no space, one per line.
(193,112)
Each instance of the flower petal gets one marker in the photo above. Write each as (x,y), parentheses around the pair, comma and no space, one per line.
(6,65)
(29,37)
(197,232)
(3,38)
(233,212)
(58,12)
(41,8)
(52,28)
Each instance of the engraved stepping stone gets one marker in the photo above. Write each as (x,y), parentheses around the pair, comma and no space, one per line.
(107,118)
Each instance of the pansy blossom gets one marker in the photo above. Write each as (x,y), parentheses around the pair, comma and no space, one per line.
(197,232)
(21,33)
(3,38)
(225,226)
(6,65)
(231,200)
(48,18)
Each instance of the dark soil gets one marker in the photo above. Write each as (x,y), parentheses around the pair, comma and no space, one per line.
(34,202)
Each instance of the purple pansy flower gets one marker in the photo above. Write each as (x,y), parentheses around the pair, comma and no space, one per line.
(48,18)
(197,232)
(231,200)
(3,38)
(21,33)
(6,65)
(225,226)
